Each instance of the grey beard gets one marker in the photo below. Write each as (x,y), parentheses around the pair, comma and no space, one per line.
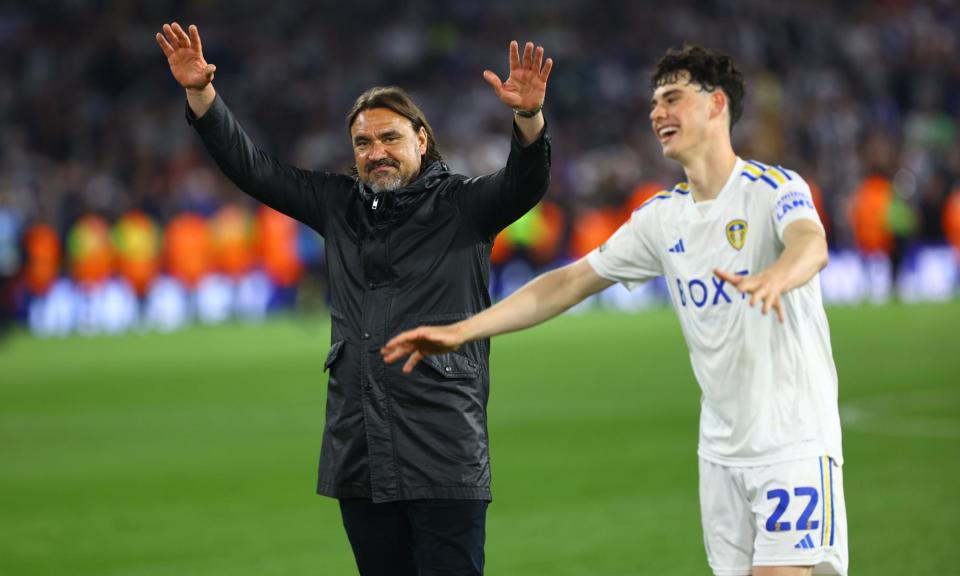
(385,185)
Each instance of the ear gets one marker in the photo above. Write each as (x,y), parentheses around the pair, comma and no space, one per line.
(422,140)
(718,102)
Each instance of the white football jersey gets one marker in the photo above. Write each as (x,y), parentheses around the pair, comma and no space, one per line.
(769,389)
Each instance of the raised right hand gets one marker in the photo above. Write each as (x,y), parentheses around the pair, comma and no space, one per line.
(421,342)
(185,55)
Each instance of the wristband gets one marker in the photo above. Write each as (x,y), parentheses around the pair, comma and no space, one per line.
(528,113)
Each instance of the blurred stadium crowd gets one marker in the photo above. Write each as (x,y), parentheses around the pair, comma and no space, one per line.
(100,177)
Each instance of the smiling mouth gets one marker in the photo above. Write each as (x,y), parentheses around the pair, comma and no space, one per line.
(665,133)
(383,172)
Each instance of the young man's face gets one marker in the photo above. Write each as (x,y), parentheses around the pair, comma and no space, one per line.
(386,149)
(683,116)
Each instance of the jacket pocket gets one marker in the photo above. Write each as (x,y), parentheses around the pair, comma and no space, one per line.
(333,354)
(452,365)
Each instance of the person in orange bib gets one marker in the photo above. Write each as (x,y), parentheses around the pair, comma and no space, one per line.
(136,239)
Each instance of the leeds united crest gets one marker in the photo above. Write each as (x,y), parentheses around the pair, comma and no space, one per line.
(737,233)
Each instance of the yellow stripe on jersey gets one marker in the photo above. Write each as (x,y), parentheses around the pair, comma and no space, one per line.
(776,175)
(753,170)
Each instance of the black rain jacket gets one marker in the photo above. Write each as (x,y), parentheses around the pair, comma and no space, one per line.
(422,256)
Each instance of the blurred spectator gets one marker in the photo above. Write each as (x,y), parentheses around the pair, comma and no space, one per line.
(187,248)
(232,228)
(276,243)
(592,229)
(548,237)
(869,209)
(136,240)
(9,259)
(43,259)
(639,196)
(951,219)
(90,251)
(820,205)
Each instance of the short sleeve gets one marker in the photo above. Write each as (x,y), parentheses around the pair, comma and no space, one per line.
(793,202)
(626,256)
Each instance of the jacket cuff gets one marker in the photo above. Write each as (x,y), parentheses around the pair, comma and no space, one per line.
(212,117)
(543,140)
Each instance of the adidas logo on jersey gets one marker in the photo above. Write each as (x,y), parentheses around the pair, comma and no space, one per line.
(806,543)
(678,247)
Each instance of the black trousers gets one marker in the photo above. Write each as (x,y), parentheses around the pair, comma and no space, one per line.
(416,537)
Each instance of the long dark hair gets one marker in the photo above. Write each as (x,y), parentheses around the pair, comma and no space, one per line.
(397,100)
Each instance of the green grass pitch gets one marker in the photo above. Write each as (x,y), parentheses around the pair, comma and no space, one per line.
(196,452)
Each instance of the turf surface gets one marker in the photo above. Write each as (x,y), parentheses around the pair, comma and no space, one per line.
(195,452)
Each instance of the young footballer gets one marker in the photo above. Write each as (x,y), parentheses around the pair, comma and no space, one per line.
(740,246)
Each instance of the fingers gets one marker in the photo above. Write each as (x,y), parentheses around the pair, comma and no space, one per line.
(412,361)
(762,296)
(173,38)
(769,300)
(493,80)
(760,291)
(398,347)
(509,98)
(393,352)
(528,55)
(514,55)
(170,36)
(404,339)
(181,35)
(164,45)
(532,58)
(545,73)
(734,279)
(195,38)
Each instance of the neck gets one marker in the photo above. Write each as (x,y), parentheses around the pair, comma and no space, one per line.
(708,169)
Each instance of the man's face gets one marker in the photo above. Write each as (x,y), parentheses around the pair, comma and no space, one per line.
(386,149)
(682,116)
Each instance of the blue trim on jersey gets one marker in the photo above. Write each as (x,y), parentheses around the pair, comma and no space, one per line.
(659,196)
(680,191)
(750,176)
(782,171)
(758,165)
(769,181)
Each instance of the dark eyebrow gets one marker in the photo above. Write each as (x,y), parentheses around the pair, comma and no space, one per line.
(667,94)
(389,133)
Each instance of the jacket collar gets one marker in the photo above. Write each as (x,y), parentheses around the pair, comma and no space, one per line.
(390,206)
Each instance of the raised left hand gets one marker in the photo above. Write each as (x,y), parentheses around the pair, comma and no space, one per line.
(526,87)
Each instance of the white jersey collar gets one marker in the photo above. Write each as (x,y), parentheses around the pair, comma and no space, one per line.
(722,197)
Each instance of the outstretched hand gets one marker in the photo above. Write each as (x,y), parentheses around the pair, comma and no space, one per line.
(421,342)
(765,288)
(185,55)
(526,86)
